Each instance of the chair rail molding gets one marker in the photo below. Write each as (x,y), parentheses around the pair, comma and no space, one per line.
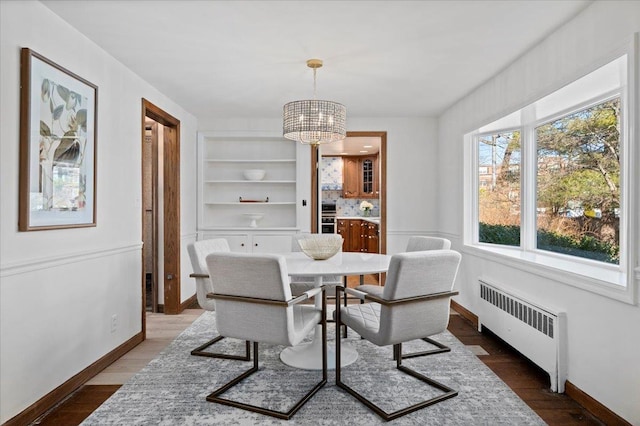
(34,264)
(191,236)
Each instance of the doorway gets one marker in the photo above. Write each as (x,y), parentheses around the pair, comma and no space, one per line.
(160,210)
(150,218)
(380,153)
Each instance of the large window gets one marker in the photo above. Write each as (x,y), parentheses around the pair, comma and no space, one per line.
(548,182)
(499,188)
(578,183)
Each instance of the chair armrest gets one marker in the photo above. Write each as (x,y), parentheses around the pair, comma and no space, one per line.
(432,296)
(357,293)
(354,292)
(199,275)
(246,299)
(306,295)
(314,291)
(286,303)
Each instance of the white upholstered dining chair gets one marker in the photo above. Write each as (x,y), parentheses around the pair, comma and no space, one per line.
(254,303)
(414,304)
(198,252)
(416,243)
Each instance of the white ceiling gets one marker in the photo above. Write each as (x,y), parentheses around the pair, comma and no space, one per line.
(381,58)
(358,145)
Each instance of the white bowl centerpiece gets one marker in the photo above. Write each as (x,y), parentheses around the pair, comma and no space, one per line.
(321,247)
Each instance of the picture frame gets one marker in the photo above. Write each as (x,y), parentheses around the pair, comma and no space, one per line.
(58,137)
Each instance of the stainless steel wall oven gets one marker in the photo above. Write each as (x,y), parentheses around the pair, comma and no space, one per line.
(328,218)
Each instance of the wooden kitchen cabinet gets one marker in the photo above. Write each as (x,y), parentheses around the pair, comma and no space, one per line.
(360,177)
(350,177)
(369,187)
(355,235)
(351,232)
(359,235)
(371,238)
(342,228)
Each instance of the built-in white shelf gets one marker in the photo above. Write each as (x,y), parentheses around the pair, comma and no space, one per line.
(262,204)
(221,182)
(252,182)
(213,160)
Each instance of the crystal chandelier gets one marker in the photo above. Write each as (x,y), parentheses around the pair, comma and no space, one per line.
(314,121)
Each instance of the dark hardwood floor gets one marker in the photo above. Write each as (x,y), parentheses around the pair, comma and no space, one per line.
(78,406)
(527,381)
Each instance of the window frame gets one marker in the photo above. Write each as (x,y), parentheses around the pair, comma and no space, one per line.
(610,280)
(476,200)
(531,243)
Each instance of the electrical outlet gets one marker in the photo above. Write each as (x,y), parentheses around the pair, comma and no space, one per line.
(114,323)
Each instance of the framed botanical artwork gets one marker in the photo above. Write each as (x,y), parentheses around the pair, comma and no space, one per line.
(58,129)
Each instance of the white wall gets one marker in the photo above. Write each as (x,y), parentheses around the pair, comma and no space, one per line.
(412,165)
(60,288)
(604,335)
(411,168)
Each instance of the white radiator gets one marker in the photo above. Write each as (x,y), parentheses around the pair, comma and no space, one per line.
(536,332)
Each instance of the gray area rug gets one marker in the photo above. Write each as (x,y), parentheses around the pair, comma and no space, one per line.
(171,389)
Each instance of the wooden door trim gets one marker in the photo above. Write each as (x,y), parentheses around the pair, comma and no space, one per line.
(171,186)
(171,207)
(383,185)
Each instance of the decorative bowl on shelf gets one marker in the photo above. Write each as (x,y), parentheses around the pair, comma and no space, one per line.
(321,247)
(254,174)
(254,218)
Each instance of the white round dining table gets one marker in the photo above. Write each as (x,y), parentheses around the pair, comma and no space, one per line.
(308,356)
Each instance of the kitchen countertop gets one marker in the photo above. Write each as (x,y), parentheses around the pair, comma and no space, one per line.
(372,219)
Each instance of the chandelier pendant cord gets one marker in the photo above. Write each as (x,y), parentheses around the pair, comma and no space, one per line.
(314,83)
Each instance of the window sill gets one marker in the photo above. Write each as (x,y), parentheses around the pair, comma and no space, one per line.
(604,280)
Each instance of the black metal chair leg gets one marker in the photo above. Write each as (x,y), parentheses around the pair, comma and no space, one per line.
(215,395)
(441,349)
(344,327)
(397,350)
(200,351)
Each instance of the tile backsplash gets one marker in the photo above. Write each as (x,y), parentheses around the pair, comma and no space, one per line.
(331,172)
(349,207)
